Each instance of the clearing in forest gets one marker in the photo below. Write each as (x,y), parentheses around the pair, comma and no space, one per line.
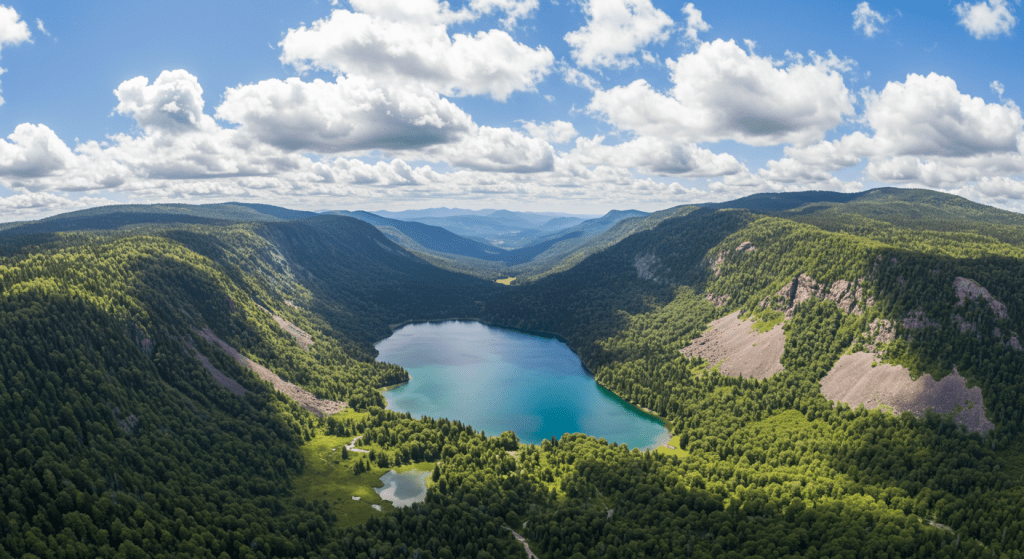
(855,381)
(738,349)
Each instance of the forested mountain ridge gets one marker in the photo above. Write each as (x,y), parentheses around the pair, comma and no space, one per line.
(118,442)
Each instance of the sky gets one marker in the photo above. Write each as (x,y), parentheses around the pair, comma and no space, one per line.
(576,106)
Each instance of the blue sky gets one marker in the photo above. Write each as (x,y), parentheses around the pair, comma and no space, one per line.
(575,105)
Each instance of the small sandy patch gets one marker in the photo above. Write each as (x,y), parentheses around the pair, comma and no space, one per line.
(853,380)
(302,396)
(739,348)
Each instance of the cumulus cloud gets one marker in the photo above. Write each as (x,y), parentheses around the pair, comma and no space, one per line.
(13,31)
(656,156)
(987,19)
(514,10)
(501,150)
(694,23)
(37,205)
(349,114)
(923,132)
(41,27)
(615,30)
(556,131)
(867,20)
(722,92)
(407,43)
(173,103)
(33,151)
(927,115)
(1002,187)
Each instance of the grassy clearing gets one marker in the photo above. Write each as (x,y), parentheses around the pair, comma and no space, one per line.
(674,441)
(327,477)
(506,281)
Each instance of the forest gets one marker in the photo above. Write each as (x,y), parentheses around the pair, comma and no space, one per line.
(117,442)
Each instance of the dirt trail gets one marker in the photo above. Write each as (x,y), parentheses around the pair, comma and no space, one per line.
(221,378)
(853,380)
(352,445)
(302,396)
(522,540)
(740,349)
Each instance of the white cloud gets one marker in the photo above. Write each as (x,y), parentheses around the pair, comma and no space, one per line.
(37,205)
(41,27)
(723,93)
(656,156)
(574,76)
(615,30)
(34,151)
(349,114)
(500,150)
(172,104)
(1003,187)
(868,20)
(925,134)
(407,43)
(694,22)
(13,31)
(998,88)
(556,131)
(514,10)
(987,19)
(927,115)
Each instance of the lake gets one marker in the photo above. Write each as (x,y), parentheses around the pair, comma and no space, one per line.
(498,380)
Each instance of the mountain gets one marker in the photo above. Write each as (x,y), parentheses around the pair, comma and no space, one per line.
(430,212)
(427,237)
(840,374)
(123,216)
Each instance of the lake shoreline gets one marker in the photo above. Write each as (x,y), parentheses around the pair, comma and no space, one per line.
(383,356)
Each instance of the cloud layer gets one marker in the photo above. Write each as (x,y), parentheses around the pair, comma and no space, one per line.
(383,106)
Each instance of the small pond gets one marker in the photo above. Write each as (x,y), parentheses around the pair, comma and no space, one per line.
(497,379)
(403,489)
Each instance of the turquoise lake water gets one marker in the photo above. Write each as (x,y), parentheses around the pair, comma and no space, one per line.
(503,380)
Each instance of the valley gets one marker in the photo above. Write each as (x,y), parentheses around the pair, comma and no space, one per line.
(840,374)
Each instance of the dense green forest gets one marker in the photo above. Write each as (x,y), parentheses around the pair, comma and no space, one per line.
(117,442)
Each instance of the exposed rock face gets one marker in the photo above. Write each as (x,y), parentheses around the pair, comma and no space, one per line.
(717,264)
(845,294)
(882,332)
(963,325)
(746,246)
(738,349)
(304,340)
(718,300)
(219,377)
(128,424)
(853,380)
(301,396)
(917,320)
(969,289)
(645,266)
